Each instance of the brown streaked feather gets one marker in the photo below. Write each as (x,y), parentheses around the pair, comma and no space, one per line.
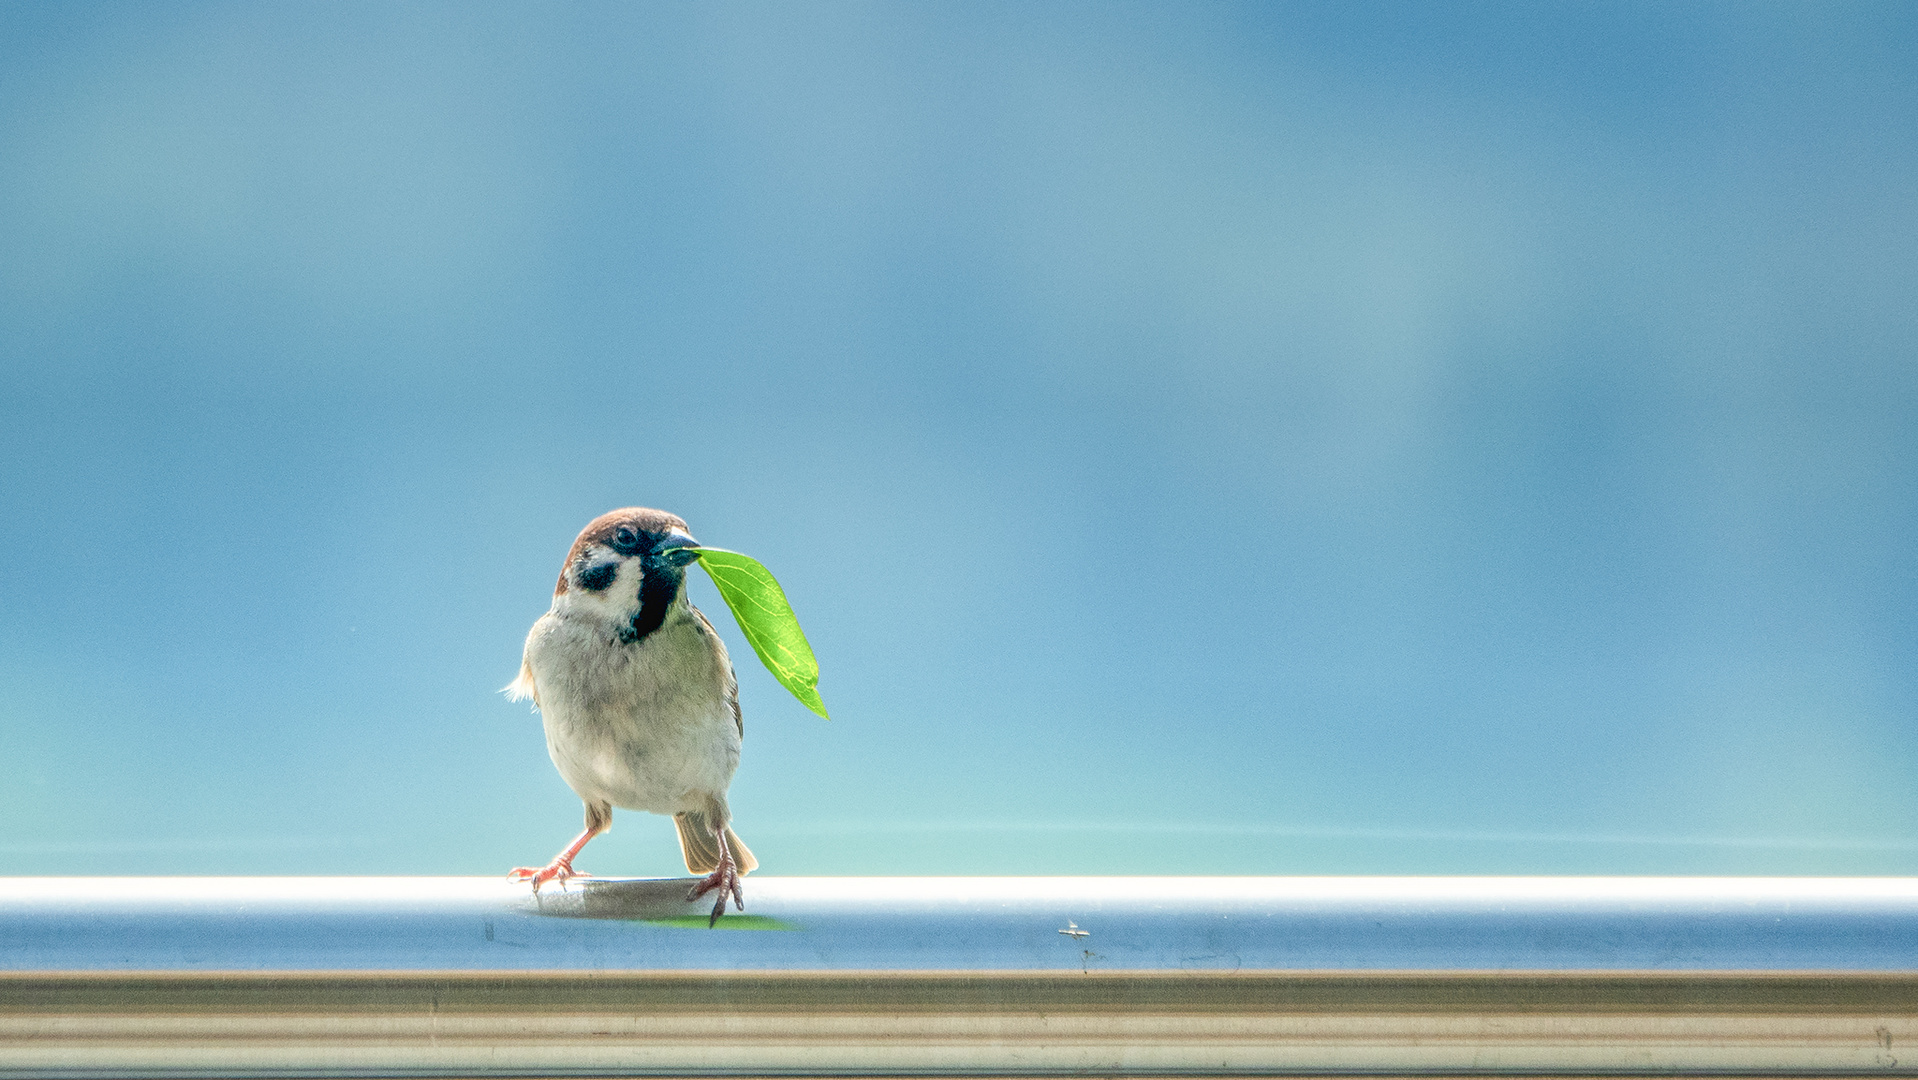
(732,677)
(742,855)
(701,852)
(525,686)
(599,816)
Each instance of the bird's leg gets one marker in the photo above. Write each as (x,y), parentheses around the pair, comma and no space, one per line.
(599,817)
(725,878)
(559,869)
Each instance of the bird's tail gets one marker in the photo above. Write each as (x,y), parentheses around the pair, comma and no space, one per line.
(701,851)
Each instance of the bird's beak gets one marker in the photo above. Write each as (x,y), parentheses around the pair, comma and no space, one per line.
(680,552)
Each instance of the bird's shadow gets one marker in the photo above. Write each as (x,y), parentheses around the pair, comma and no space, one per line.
(617,898)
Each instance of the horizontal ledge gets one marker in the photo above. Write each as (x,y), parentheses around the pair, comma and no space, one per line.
(522,1023)
(897,993)
(963,924)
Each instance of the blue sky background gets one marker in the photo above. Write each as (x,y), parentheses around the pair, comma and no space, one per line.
(1198,438)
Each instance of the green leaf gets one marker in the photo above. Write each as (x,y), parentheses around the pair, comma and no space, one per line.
(760,607)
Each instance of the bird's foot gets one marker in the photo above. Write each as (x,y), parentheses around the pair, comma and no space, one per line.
(725,879)
(558,870)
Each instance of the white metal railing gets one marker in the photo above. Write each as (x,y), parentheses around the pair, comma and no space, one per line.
(929,976)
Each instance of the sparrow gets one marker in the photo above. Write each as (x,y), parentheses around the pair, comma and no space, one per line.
(638,697)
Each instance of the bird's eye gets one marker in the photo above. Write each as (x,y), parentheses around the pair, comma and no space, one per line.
(625,537)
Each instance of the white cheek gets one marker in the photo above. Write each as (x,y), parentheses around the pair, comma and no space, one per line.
(625,587)
(616,600)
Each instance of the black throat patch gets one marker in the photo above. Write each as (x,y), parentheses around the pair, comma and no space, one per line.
(659,587)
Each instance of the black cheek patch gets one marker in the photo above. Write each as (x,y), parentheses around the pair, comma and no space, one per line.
(597,578)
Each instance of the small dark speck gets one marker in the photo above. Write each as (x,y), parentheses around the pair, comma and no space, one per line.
(489,930)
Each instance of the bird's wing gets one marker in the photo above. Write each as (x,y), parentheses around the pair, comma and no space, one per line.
(524,686)
(732,677)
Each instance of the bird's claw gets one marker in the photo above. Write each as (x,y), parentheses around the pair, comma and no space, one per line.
(558,870)
(725,879)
